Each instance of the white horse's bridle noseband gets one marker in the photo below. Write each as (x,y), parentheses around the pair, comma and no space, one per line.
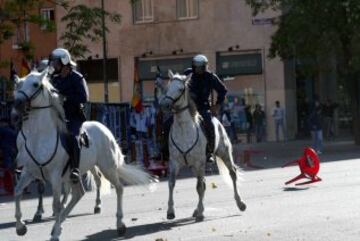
(174,100)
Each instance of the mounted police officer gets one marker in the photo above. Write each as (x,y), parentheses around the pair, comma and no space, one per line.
(201,86)
(72,86)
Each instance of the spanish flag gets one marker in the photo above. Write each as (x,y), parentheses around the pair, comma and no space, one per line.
(136,101)
(25,69)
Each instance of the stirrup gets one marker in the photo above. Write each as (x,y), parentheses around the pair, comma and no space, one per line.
(75,175)
(210,158)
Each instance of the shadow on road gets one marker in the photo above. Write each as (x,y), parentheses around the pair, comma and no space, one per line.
(145,229)
(44,220)
(295,189)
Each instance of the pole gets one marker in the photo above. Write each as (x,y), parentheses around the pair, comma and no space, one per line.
(106,83)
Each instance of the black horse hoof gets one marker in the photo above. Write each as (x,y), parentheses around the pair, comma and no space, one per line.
(170,216)
(242,206)
(37,218)
(121,230)
(199,218)
(21,231)
(97,210)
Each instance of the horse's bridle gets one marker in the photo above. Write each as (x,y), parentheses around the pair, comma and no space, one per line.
(32,97)
(174,100)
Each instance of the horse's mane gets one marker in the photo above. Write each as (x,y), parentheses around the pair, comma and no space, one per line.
(57,102)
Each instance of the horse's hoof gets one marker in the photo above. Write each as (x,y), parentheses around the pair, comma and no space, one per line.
(37,218)
(242,206)
(21,231)
(170,216)
(199,218)
(97,210)
(195,214)
(54,239)
(121,230)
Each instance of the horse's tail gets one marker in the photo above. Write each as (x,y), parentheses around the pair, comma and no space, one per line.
(135,175)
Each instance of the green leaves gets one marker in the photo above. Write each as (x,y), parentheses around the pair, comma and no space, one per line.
(84,23)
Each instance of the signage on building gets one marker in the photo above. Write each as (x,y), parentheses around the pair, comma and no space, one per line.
(262,21)
(228,65)
(93,70)
(148,67)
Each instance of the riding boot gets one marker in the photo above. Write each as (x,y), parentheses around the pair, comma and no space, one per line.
(210,136)
(74,160)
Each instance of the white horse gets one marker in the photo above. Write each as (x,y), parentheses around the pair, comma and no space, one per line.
(43,156)
(187,144)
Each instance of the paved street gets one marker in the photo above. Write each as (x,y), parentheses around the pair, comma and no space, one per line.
(328,210)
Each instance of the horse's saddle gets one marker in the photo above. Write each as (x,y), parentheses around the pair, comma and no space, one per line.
(83,141)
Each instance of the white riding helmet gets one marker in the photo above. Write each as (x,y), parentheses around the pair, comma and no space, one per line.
(200,60)
(63,55)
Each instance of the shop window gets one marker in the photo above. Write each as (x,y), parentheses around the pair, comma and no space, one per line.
(187,9)
(143,11)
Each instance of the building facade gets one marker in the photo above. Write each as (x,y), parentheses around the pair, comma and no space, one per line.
(168,33)
(42,41)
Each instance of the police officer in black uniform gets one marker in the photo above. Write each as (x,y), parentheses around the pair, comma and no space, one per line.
(72,86)
(201,85)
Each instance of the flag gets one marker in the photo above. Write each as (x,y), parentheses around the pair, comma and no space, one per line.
(136,101)
(25,69)
(13,71)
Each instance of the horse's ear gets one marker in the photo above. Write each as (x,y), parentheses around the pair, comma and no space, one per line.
(171,74)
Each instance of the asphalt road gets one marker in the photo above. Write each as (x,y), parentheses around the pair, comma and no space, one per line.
(328,210)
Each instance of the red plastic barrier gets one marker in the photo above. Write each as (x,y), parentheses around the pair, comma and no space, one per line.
(6,182)
(309,165)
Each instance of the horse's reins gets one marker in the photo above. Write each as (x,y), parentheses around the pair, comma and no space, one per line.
(176,111)
(41,165)
(184,153)
(33,96)
(29,99)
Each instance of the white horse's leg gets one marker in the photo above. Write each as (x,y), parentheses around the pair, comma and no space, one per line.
(112,175)
(75,197)
(40,209)
(173,171)
(67,189)
(56,188)
(97,178)
(25,180)
(200,188)
(226,157)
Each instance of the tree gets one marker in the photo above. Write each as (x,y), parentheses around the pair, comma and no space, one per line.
(316,30)
(84,23)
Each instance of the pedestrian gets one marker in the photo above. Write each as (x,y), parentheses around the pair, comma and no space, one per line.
(315,127)
(226,121)
(278,114)
(240,109)
(7,144)
(328,110)
(259,122)
(249,123)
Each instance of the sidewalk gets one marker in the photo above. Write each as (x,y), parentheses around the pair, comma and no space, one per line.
(275,154)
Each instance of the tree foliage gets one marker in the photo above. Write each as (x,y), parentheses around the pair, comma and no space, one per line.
(316,31)
(84,23)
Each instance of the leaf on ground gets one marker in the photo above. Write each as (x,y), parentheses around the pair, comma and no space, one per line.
(213,185)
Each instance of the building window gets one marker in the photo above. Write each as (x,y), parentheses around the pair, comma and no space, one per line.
(22,34)
(187,9)
(143,11)
(47,14)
